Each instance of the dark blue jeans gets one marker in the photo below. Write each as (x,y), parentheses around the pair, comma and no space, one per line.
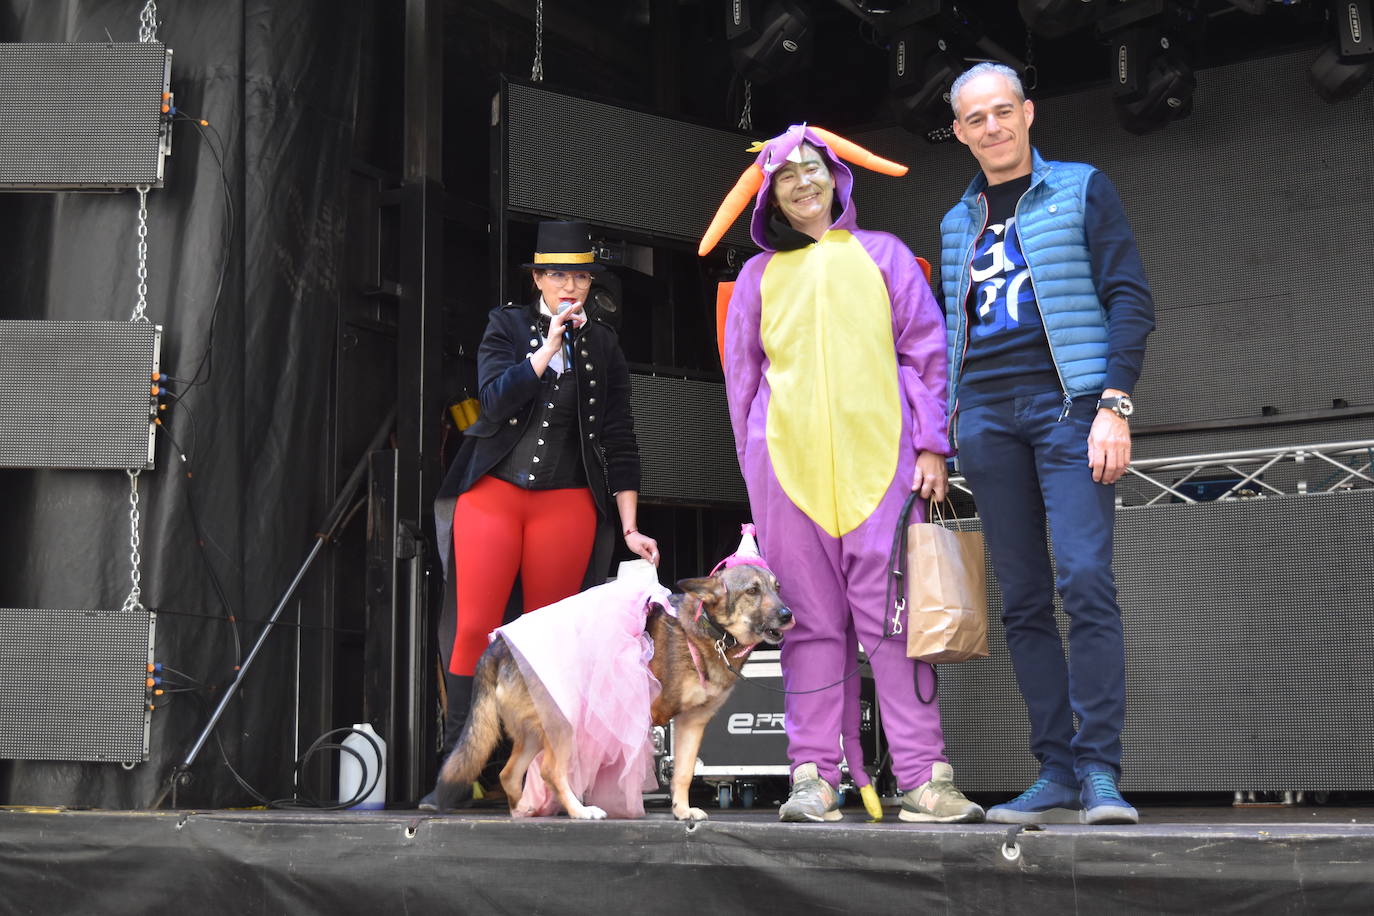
(1023,464)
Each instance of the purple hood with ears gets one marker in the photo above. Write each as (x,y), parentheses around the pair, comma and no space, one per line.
(772,155)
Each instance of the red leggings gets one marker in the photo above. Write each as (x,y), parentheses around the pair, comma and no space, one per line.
(499,529)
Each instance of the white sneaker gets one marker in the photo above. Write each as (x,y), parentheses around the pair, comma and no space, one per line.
(939,801)
(812,798)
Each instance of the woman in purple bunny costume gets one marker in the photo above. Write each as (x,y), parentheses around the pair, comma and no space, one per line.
(834,356)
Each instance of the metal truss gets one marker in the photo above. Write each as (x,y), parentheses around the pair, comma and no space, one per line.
(1245,474)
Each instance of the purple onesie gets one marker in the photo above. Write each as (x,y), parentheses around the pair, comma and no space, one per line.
(835,371)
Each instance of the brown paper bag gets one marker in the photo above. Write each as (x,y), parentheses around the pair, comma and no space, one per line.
(947,604)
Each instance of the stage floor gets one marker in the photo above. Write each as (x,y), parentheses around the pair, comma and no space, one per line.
(1177,860)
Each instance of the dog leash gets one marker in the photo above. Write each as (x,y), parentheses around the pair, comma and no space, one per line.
(896,599)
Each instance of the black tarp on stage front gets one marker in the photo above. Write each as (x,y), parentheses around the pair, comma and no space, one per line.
(1297,860)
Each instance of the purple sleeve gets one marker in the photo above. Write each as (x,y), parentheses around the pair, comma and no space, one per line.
(918,330)
(744,359)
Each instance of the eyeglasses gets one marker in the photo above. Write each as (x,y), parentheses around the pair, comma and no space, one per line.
(581,279)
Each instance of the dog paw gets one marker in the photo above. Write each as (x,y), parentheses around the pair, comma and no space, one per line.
(690,814)
(590,813)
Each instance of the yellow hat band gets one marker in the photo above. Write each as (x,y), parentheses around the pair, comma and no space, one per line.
(583,257)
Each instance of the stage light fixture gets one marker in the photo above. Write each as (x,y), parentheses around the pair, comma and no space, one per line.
(1346,66)
(604,298)
(1353,21)
(1056,18)
(1154,84)
(773,43)
(1334,79)
(921,70)
(1152,76)
(930,44)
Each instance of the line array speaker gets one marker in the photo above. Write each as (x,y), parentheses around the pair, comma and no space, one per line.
(73,684)
(600,171)
(686,445)
(82,116)
(77,394)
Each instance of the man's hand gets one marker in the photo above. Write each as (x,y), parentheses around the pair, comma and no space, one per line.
(931,479)
(1109,447)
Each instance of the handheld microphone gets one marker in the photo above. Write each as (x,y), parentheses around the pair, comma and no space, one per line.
(568,329)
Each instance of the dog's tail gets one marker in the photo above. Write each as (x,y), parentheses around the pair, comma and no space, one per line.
(480,734)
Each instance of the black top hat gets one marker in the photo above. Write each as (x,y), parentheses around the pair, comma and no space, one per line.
(564,245)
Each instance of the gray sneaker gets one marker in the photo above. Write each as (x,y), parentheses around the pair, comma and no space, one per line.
(812,798)
(939,801)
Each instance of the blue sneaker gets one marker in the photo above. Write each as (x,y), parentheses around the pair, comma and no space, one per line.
(1045,802)
(1102,801)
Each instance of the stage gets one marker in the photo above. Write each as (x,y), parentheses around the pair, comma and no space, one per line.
(1298,859)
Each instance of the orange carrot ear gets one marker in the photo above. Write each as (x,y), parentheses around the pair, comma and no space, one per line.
(733,205)
(850,151)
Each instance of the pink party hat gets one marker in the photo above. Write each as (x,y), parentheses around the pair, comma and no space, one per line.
(747,552)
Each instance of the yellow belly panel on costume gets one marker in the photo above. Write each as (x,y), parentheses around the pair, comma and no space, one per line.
(835,416)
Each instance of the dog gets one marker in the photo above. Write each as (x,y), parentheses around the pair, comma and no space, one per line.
(699,645)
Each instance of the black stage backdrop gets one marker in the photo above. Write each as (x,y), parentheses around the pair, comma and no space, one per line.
(278,82)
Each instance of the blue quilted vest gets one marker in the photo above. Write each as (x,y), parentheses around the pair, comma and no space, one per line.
(1050,221)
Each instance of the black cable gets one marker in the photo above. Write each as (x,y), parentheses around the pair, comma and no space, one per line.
(243,783)
(180,403)
(896,564)
(323,744)
(215,583)
(319,745)
(181,674)
(206,364)
(347,631)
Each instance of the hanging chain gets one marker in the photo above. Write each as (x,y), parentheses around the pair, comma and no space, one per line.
(537,73)
(147,31)
(746,114)
(1030,76)
(133,602)
(147,22)
(142,305)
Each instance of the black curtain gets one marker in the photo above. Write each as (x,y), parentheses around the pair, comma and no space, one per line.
(279,84)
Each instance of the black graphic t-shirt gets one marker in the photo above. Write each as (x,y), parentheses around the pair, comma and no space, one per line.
(1008,355)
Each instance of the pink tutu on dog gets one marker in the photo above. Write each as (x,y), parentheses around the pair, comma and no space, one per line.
(586,662)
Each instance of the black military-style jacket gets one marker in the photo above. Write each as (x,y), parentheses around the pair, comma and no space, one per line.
(507,391)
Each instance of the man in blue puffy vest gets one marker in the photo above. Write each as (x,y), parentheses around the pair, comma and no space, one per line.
(1048,310)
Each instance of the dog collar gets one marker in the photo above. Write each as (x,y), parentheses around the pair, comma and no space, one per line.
(713,629)
(720,650)
(723,640)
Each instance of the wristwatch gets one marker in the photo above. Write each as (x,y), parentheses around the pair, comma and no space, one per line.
(1122,406)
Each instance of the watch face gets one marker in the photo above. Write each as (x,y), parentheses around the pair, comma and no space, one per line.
(1121,406)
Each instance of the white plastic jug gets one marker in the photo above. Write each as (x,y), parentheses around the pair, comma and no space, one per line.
(370,775)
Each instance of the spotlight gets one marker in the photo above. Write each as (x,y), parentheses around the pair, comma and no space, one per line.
(1353,22)
(603,299)
(1152,78)
(1345,66)
(921,70)
(771,45)
(1334,79)
(1153,86)
(1055,18)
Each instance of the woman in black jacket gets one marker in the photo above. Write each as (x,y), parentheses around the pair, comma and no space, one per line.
(552,453)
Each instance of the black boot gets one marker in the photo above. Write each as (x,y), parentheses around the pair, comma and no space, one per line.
(458,689)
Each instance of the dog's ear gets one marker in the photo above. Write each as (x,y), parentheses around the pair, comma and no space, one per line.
(706,589)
